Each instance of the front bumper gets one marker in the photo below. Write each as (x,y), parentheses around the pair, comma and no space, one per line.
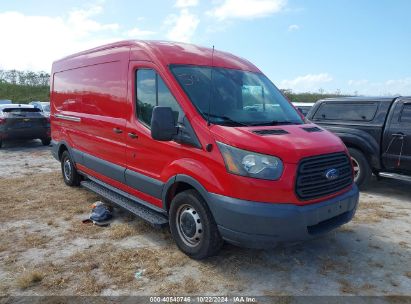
(261,225)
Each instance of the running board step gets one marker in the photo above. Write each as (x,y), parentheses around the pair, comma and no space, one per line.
(395,176)
(156,219)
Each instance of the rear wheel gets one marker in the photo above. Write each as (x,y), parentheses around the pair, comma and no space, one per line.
(70,174)
(1,143)
(362,169)
(46,142)
(193,227)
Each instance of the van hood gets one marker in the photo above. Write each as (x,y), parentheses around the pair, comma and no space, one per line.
(291,143)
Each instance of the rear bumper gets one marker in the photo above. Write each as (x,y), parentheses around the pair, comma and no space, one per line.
(29,133)
(261,225)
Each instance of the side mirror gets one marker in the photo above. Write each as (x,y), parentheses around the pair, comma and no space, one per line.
(163,125)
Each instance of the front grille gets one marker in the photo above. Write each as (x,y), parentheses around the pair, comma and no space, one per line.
(312,181)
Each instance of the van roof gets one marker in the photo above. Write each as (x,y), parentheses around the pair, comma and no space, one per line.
(165,52)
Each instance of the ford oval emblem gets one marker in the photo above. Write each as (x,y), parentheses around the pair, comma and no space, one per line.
(332,174)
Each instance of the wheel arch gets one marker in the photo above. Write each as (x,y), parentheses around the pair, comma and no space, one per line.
(365,145)
(179,183)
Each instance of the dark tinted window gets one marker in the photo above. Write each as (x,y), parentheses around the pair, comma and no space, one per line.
(406,114)
(151,92)
(21,110)
(346,111)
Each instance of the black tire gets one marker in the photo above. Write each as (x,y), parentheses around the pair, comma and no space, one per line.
(68,169)
(363,176)
(1,143)
(189,207)
(46,142)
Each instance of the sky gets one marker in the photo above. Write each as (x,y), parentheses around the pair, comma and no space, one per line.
(349,46)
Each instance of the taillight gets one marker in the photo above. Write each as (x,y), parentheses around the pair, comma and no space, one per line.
(2,120)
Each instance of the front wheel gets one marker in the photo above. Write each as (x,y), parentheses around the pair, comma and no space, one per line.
(193,227)
(70,174)
(362,169)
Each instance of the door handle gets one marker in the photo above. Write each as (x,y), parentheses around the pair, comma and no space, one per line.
(132,135)
(398,135)
(117,130)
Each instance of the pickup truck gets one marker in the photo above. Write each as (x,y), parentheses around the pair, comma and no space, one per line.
(376,131)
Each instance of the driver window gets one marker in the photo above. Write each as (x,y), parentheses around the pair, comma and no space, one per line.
(151,92)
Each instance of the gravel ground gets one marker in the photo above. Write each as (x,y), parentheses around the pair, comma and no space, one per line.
(46,250)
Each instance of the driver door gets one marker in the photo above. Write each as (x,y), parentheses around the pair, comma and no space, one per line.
(397,138)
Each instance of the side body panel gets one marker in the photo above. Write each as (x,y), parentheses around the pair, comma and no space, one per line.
(89,109)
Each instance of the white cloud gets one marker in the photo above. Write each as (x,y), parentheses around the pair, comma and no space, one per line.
(186,3)
(33,42)
(247,9)
(80,21)
(293,27)
(306,83)
(400,86)
(137,33)
(182,26)
(359,82)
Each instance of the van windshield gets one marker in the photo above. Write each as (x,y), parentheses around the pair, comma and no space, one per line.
(235,97)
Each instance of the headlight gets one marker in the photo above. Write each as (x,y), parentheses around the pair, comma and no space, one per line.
(251,164)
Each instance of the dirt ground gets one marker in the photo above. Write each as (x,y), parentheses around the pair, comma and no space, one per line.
(45,249)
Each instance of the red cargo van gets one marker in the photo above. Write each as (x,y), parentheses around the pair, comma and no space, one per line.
(198,140)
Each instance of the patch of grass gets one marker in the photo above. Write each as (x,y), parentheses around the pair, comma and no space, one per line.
(121,264)
(187,286)
(374,246)
(329,265)
(88,285)
(346,229)
(346,287)
(29,278)
(35,240)
(374,212)
(375,264)
(121,231)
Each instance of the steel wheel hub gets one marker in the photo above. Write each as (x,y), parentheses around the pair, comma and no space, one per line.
(67,169)
(189,225)
(356,167)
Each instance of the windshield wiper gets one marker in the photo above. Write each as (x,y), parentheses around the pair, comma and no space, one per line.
(226,119)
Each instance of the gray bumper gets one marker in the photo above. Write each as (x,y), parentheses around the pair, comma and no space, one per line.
(260,225)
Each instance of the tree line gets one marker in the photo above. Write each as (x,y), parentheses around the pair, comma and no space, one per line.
(310,96)
(24,86)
